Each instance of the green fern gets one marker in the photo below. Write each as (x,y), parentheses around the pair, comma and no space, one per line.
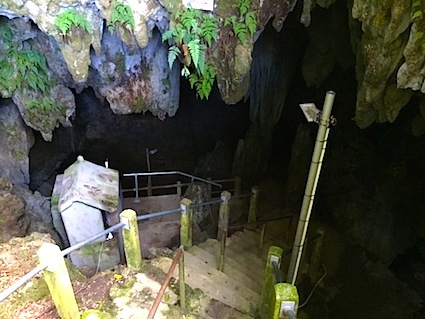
(121,13)
(192,34)
(209,29)
(203,83)
(173,53)
(71,18)
(251,22)
(243,6)
(247,21)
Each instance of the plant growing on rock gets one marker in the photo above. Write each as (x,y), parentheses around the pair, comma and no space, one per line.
(122,14)
(192,34)
(25,69)
(72,22)
(246,22)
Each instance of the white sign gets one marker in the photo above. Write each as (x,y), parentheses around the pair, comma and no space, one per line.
(207,5)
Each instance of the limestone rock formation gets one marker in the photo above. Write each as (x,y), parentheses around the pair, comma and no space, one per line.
(16,140)
(13,222)
(128,65)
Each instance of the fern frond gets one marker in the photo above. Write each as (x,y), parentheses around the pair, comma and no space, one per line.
(243,6)
(193,79)
(209,29)
(240,30)
(169,34)
(173,53)
(185,71)
(251,22)
(195,49)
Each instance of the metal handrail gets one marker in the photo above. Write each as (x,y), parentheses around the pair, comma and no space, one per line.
(277,273)
(165,283)
(193,177)
(261,222)
(27,277)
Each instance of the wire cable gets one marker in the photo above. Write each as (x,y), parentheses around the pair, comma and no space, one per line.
(314,288)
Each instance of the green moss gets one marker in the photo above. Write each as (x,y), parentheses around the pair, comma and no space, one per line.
(96,314)
(19,155)
(119,61)
(139,105)
(166,82)
(54,201)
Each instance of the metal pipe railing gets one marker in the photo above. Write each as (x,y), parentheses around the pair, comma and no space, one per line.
(212,202)
(193,177)
(165,283)
(277,273)
(158,214)
(21,281)
(290,314)
(92,239)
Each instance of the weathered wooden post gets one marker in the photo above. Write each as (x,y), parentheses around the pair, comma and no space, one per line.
(179,188)
(209,188)
(57,279)
(252,216)
(130,234)
(182,287)
(186,223)
(238,186)
(223,226)
(274,255)
(284,303)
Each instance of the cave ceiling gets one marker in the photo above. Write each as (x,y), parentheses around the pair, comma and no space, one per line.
(52,50)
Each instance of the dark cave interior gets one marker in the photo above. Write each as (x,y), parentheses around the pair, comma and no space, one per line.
(379,169)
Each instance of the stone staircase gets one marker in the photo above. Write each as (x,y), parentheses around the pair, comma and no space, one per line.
(240,284)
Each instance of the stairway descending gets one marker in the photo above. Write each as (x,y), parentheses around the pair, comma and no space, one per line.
(240,284)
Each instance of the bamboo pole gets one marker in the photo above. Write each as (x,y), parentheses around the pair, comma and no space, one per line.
(310,190)
(130,234)
(186,223)
(223,226)
(57,279)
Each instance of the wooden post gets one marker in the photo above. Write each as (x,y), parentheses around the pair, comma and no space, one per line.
(223,226)
(252,216)
(274,255)
(238,186)
(179,188)
(57,279)
(130,233)
(182,287)
(223,219)
(285,297)
(209,188)
(186,223)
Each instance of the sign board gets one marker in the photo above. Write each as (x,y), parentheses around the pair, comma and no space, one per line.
(207,5)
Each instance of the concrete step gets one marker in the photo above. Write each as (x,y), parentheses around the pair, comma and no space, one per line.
(250,264)
(210,247)
(216,284)
(212,261)
(242,247)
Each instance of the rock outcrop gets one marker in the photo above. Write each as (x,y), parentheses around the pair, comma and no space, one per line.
(16,140)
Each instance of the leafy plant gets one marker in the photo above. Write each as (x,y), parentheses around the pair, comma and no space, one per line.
(122,14)
(246,22)
(45,106)
(69,19)
(192,34)
(22,69)
(418,18)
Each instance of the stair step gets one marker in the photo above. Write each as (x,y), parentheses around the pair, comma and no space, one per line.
(242,266)
(239,245)
(252,266)
(234,272)
(215,284)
